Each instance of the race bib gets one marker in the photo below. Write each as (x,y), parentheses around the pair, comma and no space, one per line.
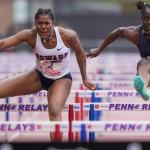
(51,68)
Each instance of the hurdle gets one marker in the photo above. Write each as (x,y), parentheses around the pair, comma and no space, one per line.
(76,107)
(91,126)
(85,129)
(108,83)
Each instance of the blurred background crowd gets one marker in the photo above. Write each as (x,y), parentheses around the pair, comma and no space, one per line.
(92,19)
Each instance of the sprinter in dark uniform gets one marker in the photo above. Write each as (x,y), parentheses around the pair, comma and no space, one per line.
(140,36)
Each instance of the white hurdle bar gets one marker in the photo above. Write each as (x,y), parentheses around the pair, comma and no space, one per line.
(90,126)
(76,107)
(107,83)
(107,76)
(98,93)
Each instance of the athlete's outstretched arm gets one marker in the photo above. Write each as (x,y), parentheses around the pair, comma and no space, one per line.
(76,46)
(14,40)
(123,32)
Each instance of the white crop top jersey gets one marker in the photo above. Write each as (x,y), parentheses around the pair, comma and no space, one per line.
(52,63)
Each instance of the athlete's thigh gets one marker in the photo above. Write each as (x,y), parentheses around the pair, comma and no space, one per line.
(143,69)
(58,94)
(22,84)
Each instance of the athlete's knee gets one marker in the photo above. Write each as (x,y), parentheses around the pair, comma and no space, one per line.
(54,112)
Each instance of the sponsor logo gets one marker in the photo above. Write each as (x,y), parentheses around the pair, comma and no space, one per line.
(58,49)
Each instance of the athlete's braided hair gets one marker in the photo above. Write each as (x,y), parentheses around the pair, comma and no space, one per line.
(42,11)
(142,6)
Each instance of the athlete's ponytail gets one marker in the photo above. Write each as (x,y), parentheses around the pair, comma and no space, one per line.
(140,5)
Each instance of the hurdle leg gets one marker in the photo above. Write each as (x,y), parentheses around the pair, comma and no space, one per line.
(70,119)
(7,118)
(91,118)
(77,116)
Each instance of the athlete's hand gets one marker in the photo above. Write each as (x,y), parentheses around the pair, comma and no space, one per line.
(93,53)
(89,85)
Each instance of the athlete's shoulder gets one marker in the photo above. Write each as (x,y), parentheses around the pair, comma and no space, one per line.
(129,28)
(32,32)
(136,28)
(29,36)
(25,33)
(67,32)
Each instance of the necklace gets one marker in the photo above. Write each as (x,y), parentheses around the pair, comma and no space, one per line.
(48,38)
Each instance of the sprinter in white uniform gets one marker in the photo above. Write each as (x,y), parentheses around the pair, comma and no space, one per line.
(51,46)
(53,63)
